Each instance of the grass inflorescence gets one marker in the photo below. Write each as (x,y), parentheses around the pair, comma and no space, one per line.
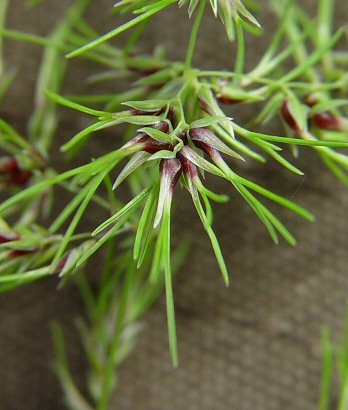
(177,131)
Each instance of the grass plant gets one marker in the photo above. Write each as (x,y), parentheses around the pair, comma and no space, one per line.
(177,132)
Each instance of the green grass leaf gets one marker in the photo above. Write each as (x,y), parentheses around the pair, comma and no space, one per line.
(129,24)
(82,135)
(312,58)
(212,237)
(169,289)
(108,235)
(277,198)
(93,186)
(78,107)
(145,226)
(37,188)
(157,134)
(131,206)
(286,140)
(146,105)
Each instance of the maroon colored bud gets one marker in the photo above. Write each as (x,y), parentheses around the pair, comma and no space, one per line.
(162,126)
(288,118)
(182,135)
(188,167)
(135,111)
(8,237)
(327,121)
(200,134)
(310,100)
(139,138)
(204,139)
(227,100)
(207,149)
(144,142)
(61,264)
(153,111)
(205,106)
(15,253)
(148,144)
(171,115)
(9,165)
(20,178)
(152,146)
(14,175)
(170,171)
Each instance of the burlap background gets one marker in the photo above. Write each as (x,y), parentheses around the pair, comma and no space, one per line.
(252,346)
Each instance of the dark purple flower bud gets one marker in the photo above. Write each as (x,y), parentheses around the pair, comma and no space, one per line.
(20,178)
(152,146)
(204,105)
(228,100)
(8,237)
(153,111)
(162,126)
(310,100)
(137,112)
(189,154)
(206,148)
(170,171)
(327,121)
(208,142)
(15,253)
(9,167)
(201,137)
(189,162)
(288,118)
(61,264)
(189,169)
(171,115)
(143,141)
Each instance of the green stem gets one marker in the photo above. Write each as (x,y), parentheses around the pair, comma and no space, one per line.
(3,10)
(118,30)
(86,293)
(135,35)
(193,36)
(105,280)
(115,342)
(293,33)
(325,22)
(169,288)
(239,64)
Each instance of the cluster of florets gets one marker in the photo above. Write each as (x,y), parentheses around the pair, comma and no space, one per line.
(11,173)
(15,246)
(324,120)
(8,236)
(179,154)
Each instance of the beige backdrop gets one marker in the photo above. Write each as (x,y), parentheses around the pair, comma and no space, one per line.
(253,346)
